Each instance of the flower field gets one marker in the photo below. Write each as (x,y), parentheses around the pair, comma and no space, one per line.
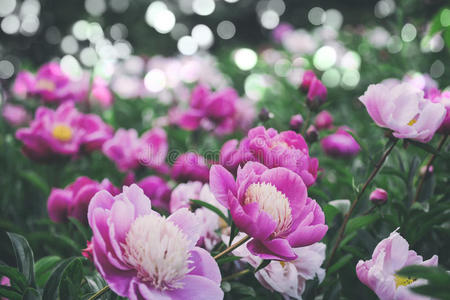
(224,149)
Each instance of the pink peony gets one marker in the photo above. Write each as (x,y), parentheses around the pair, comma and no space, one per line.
(15,115)
(287,277)
(24,85)
(323,120)
(100,93)
(63,131)
(73,200)
(403,109)
(221,112)
(296,122)
(444,99)
(209,221)
(391,255)
(286,149)
(190,167)
(143,255)
(340,144)
(378,196)
(129,151)
(271,206)
(156,189)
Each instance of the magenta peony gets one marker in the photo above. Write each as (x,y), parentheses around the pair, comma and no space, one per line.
(271,206)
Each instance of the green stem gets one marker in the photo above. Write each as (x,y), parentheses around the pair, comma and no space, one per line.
(425,175)
(238,274)
(100,293)
(305,125)
(372,175)
(232,247)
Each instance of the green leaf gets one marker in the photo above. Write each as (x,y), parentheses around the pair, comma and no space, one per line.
(227,259)
(330,212)
(14,275)
(262,265)
(234,233)
(9,293)
(52,286)
(70,286)
(360,222)
(438,280)
(340,263)
(24,257)
(36,180)
(31,294)
(81,228)
(212,208)
(44,267)
(241,289)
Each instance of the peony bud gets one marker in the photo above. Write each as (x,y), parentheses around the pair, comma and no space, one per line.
(308,77)
(378,196)
(264,114)
(324,120)
(312,134)
(317,94)
(296,122)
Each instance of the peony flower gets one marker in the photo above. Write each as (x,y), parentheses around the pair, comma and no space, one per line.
(404,110)
(391,255)
(287,277)
(24,85)
(73,200)
(156,189)
(444,99)
(271,206)
(62,132)
(308,77)
(129,151)
(51,83)
(286,149)
(221,112)
(378,196)
(280,31)
(190,167)
(15,115)
(5,281)
(209,221)
(340,144)
(323,120)
(100,93)
(143,255)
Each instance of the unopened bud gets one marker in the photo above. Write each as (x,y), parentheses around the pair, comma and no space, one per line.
(378,196)
(312,135)
(296,123)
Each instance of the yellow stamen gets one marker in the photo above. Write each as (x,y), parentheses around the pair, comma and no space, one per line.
(44,84)
(62,133)
(282,263)
(403,281)
(412,122)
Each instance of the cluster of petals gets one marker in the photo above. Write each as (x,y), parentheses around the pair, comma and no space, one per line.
(143,255)
(15,115)
(52,85)
(379,272)
(64,131)
(73,200)
(403,109)
(286,149)
(287,277)
(190,166)
(221,112)
(340,144)
(271,206)
(129,151)
(209,221)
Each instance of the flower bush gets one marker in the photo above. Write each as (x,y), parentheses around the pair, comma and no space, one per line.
(265,160)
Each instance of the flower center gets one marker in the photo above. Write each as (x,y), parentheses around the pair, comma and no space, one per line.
(62,133)
(413,120)
(158,250)
(44,84)
(273,202)
(403,281)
